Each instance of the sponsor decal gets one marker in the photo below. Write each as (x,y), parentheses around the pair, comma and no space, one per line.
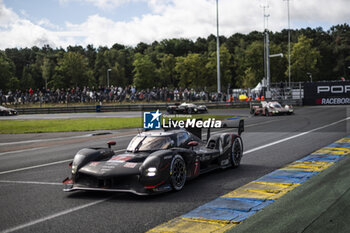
(120,159)
(327,93)
(107,168)
(93,164)
(172,115)
(337,89)
(130,165)
(192,123)
(151,120)
(163,188)
(330,101)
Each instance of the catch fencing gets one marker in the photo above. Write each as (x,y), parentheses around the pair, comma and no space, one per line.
(133,107)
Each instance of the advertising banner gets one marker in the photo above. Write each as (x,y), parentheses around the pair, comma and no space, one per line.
(327,93)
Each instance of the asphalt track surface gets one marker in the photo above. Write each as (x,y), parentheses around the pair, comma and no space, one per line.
(32,167)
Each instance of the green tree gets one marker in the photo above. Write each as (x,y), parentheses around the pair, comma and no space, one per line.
(176,47)
(278,65)
(167,73)
(101,66)
(47,69)
(145,75)
(303,59)
(191,70)
(27,79)
(226,67)
(14,84)
(239,62)
(250,79)
(341,49)
(7,70)
(73,70)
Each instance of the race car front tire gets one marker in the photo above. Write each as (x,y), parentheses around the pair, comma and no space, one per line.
(236,152)
(178,173)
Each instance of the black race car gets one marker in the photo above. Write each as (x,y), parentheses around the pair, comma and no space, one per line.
(155,161)
(186,108)
(7,111)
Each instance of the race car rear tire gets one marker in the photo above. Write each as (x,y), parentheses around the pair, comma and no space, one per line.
(267,112)
(178,173)
(236,152)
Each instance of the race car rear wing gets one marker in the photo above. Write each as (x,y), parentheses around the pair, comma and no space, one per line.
(231,123)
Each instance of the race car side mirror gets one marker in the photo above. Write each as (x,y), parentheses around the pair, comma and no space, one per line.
(111,143)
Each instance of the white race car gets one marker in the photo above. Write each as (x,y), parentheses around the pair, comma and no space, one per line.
(270,108)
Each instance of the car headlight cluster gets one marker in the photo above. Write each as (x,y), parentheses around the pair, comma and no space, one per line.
(74,169)
(151,171)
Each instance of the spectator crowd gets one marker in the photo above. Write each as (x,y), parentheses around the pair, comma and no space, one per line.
(110,95)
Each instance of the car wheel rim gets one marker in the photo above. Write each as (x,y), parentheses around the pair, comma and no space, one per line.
(178,175)
(236,153)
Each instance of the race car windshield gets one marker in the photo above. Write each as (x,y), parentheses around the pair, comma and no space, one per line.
(276,105)
(147,143)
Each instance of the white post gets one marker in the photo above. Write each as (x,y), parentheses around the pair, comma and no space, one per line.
(218,48)
(267,60)
(289,73)
(108,77)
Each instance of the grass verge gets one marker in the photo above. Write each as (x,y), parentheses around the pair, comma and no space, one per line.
(85,124)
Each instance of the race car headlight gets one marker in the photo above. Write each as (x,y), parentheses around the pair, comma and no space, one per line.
(74,169)
(151,171)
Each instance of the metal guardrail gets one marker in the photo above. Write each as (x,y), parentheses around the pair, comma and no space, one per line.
(132,107)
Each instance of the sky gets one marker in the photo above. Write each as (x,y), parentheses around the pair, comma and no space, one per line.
(60,23)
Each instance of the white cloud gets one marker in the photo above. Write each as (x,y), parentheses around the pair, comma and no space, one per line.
(168,19)
(44,22)
(20,32)
(102,4)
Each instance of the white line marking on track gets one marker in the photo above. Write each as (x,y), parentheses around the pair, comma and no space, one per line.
(36,166)
(43,140)
(42,165)
(28,182)
(20,151)
(292,137)
(57,139)
(40,220)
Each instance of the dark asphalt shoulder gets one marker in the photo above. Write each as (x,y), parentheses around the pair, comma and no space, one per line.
(322,204)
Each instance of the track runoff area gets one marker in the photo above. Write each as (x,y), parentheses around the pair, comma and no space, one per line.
(280,154)
(231,209)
